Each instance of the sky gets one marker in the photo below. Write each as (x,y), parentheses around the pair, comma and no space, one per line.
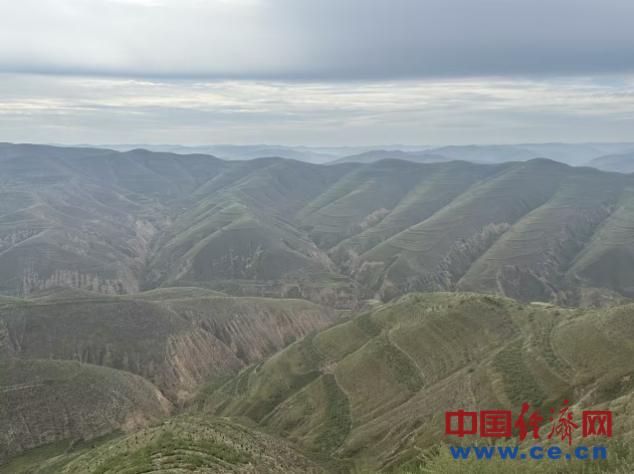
(316,72)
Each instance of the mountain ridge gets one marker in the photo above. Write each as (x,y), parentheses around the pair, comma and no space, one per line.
(372,391)
(121,222)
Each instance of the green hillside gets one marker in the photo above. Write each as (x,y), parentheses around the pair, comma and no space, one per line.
(530,260)
(373,391)
(606,260)
(46,401)
(119,223)
(182,444)
(175,338)
(175,313)
(365,395)
(434,253)
(437,188)
(76,365)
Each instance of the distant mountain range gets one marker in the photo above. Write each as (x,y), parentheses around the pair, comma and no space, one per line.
(607,156)
(167,312)
(318,155)
(621,162)
(590,154)
(121,222)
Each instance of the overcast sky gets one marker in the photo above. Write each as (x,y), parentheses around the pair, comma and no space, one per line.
(321,72)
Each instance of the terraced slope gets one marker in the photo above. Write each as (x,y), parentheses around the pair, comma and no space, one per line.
(531,259)
(435,253)
(45,401)
(118,223)
(373,391)
(175,338)
(243,232)
(437,187)
(607,259)
(71,234)
(359,200)
(84,218)
(183,444)
(76,365)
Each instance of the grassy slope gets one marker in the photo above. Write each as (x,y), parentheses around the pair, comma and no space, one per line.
(438,186)
(182,444)
(373,390)
(45,401)
(348,206)
(545,241)
(64,348)
(85,218)
(240,230)
(436,252)
(120,222)
(608,259)
(176,338)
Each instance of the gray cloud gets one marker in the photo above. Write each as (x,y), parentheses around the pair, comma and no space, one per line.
(316,71)
(317,39)
(71,109)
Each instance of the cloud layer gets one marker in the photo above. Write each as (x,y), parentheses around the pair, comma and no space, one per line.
(317,39)
(71,109)
(316,71)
